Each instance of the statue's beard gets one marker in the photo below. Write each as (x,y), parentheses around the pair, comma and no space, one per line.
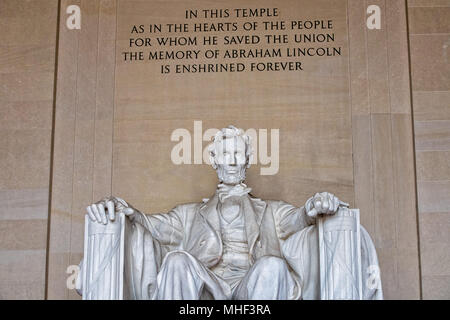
(231,178)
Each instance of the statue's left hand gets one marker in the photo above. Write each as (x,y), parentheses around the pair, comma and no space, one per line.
(323,203)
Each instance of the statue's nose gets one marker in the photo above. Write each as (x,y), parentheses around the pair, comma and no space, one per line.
(233,159)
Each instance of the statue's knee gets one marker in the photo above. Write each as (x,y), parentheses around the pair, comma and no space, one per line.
(177,259)
(272,263)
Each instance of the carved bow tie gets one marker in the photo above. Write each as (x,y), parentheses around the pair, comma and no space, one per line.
(226,191)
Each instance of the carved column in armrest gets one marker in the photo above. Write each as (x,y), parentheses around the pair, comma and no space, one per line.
(103,264)
(340,255)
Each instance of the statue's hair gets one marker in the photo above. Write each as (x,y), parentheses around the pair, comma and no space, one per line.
(230,132)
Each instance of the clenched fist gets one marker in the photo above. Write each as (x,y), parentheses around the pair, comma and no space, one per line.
(323,203)
(107,208)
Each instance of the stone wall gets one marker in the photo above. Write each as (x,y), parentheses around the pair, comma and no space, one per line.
(27,71)
(346,126)
(429,28)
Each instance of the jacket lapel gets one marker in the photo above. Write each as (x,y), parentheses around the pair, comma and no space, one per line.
(209,212)
(254,210)
(204,240)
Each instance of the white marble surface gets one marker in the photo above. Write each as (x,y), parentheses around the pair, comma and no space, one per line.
(231,246)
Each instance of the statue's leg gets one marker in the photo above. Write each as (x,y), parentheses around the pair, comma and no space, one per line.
(301,251)
(183,277)
(268,279)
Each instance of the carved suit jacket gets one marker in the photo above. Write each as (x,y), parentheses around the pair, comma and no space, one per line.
(195,228)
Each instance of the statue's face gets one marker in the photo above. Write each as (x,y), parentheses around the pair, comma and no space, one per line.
(231,160)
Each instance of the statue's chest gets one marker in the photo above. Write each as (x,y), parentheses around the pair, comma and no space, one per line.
(232,223)
(230,211)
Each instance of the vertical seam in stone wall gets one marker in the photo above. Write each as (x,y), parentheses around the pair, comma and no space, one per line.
(73,146)
(52,148)
(394,169)
(114,95)
(414,148)
(388,78)
(96,102)
(367,72)
(350,98)
(374,216)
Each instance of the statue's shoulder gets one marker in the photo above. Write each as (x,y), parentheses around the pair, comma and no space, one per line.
(187,207)
(272,202)
(279,205)
(263,201)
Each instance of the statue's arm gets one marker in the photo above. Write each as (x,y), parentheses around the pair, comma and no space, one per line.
(146,239)
(166,228)
(290,219)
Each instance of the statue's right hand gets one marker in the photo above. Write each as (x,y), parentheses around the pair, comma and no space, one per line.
(107,208)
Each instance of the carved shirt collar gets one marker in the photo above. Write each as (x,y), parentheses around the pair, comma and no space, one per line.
(226,191)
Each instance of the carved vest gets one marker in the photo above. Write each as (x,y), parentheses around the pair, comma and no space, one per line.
(204,240)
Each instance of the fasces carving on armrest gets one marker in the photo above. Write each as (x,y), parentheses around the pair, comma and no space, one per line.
(103,266)
(340,255)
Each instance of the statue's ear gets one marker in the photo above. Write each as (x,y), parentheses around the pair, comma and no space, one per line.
(249,152)
(249,160)
(212,155)
(212,159)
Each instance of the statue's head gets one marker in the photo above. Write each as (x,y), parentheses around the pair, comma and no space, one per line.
(230,154)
